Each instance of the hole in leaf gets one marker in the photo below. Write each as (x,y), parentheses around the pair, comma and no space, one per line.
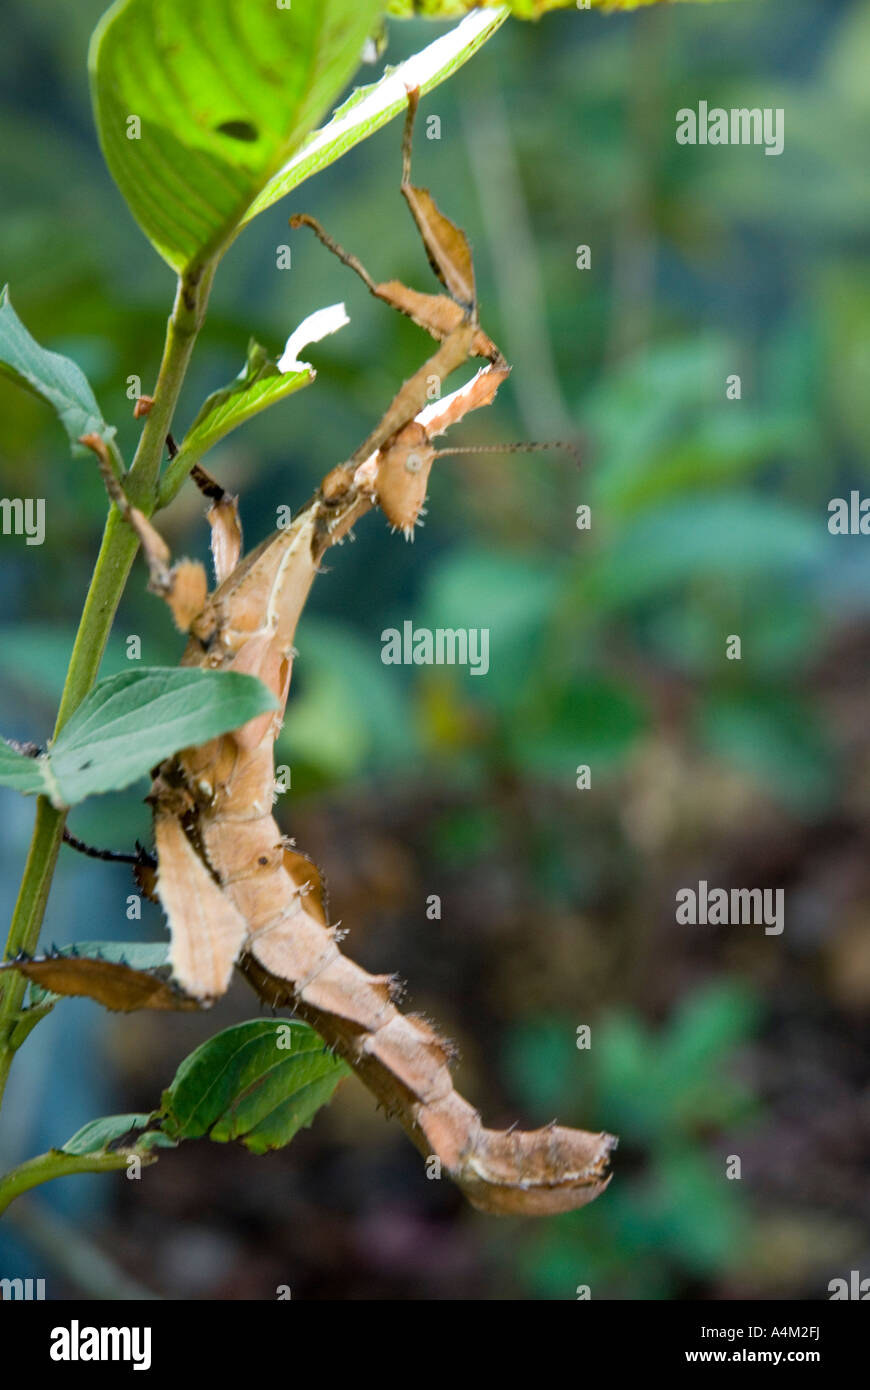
(238,130)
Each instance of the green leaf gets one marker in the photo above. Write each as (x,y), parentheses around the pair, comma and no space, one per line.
(22,773)
(132,721)
(139,955)
(260,1082)
(224,92)
(54,378)
(97,1135)
(369,108)
(261,382)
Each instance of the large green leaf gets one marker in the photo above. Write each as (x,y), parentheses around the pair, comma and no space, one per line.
(49,375)
(130,722)
(224,91)
(260,1082)
(369,108)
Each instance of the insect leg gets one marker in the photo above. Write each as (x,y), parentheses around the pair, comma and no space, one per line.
(447,246)
(303,219)
(183,586)
(223,518)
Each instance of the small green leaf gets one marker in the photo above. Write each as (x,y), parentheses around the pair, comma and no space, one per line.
(261,382)
(153,1139)
(54,378)
(132,721)
(22,773)
(369,108)
(260,1082)
(199,102)
(139,955)
(97,1135)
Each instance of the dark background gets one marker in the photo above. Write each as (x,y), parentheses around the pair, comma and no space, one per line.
(608,648)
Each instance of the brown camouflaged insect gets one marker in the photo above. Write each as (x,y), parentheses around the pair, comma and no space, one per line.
(235,891)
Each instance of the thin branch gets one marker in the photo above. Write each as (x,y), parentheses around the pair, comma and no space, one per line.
(57,1164)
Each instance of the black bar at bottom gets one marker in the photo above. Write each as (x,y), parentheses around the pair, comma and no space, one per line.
(225,1340)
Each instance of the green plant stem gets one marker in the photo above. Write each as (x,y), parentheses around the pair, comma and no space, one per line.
(187,318)
(110,575)
(57,1164)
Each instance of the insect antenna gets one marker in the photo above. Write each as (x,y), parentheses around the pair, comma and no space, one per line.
(521,447)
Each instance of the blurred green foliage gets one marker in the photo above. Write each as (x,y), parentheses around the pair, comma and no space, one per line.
(669,1217)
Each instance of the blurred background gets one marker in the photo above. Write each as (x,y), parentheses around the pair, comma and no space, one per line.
(608,649)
